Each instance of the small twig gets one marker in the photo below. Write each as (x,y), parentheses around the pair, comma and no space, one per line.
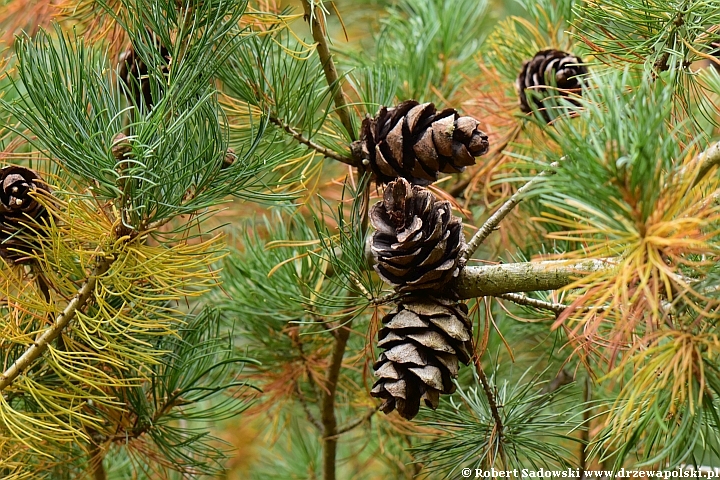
(562,378)
(495,219)
(358,422)
(387,298)
(43,286)
(348,160)
(331,75)
(554,307)
(303,402)
(329,328)
(458,189)
(41,344)
(492,400)
(661,64)
(585,432)
(520,299)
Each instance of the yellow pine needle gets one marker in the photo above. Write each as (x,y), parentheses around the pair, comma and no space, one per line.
(302,55)
(241,109)
(291,243)
(681,228)
(672,359)
(139,294)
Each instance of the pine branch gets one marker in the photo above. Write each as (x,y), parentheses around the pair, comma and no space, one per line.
(492,401)
(708,159)
(661,64)
(306,408)
(585,432)
(349,160)
(358,422)
(140,429)
(505,278)
(520,299)
(41,344)
(318,32)
(328,418)
(96,463)
(556,308)
(562,378)
(497,217)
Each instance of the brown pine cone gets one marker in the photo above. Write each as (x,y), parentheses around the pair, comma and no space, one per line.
(134,74)
(121,146)
(19,212)
(423,339)
(549,75)
(416,142)
(418,239)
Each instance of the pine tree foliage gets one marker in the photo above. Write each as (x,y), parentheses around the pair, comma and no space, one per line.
(198,298)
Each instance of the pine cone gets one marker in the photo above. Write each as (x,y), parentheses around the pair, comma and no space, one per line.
(418,239)
(18,208)
(134,74)
(422,339)
(550,74)
(417,142)
(121,146)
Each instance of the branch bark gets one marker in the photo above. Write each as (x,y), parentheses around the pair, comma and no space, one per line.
(328,418)
(318,33)
(708,159)
(349,160)
(96,463)
(556,308)
(496,280)
(520,299)
(41,343)
(492,402)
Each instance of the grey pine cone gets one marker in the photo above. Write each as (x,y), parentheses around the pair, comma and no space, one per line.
(423,339)
(416,142)
(20,213)
(550,74)
(417,241)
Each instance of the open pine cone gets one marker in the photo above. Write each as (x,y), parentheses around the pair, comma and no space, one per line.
(549,75)
(416,142)
(134,74)
(418,239)
(19,211)
(423,339)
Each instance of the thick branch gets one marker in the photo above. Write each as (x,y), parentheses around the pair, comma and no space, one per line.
(505,278)
(41,344)
(349,160)
(318,32)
